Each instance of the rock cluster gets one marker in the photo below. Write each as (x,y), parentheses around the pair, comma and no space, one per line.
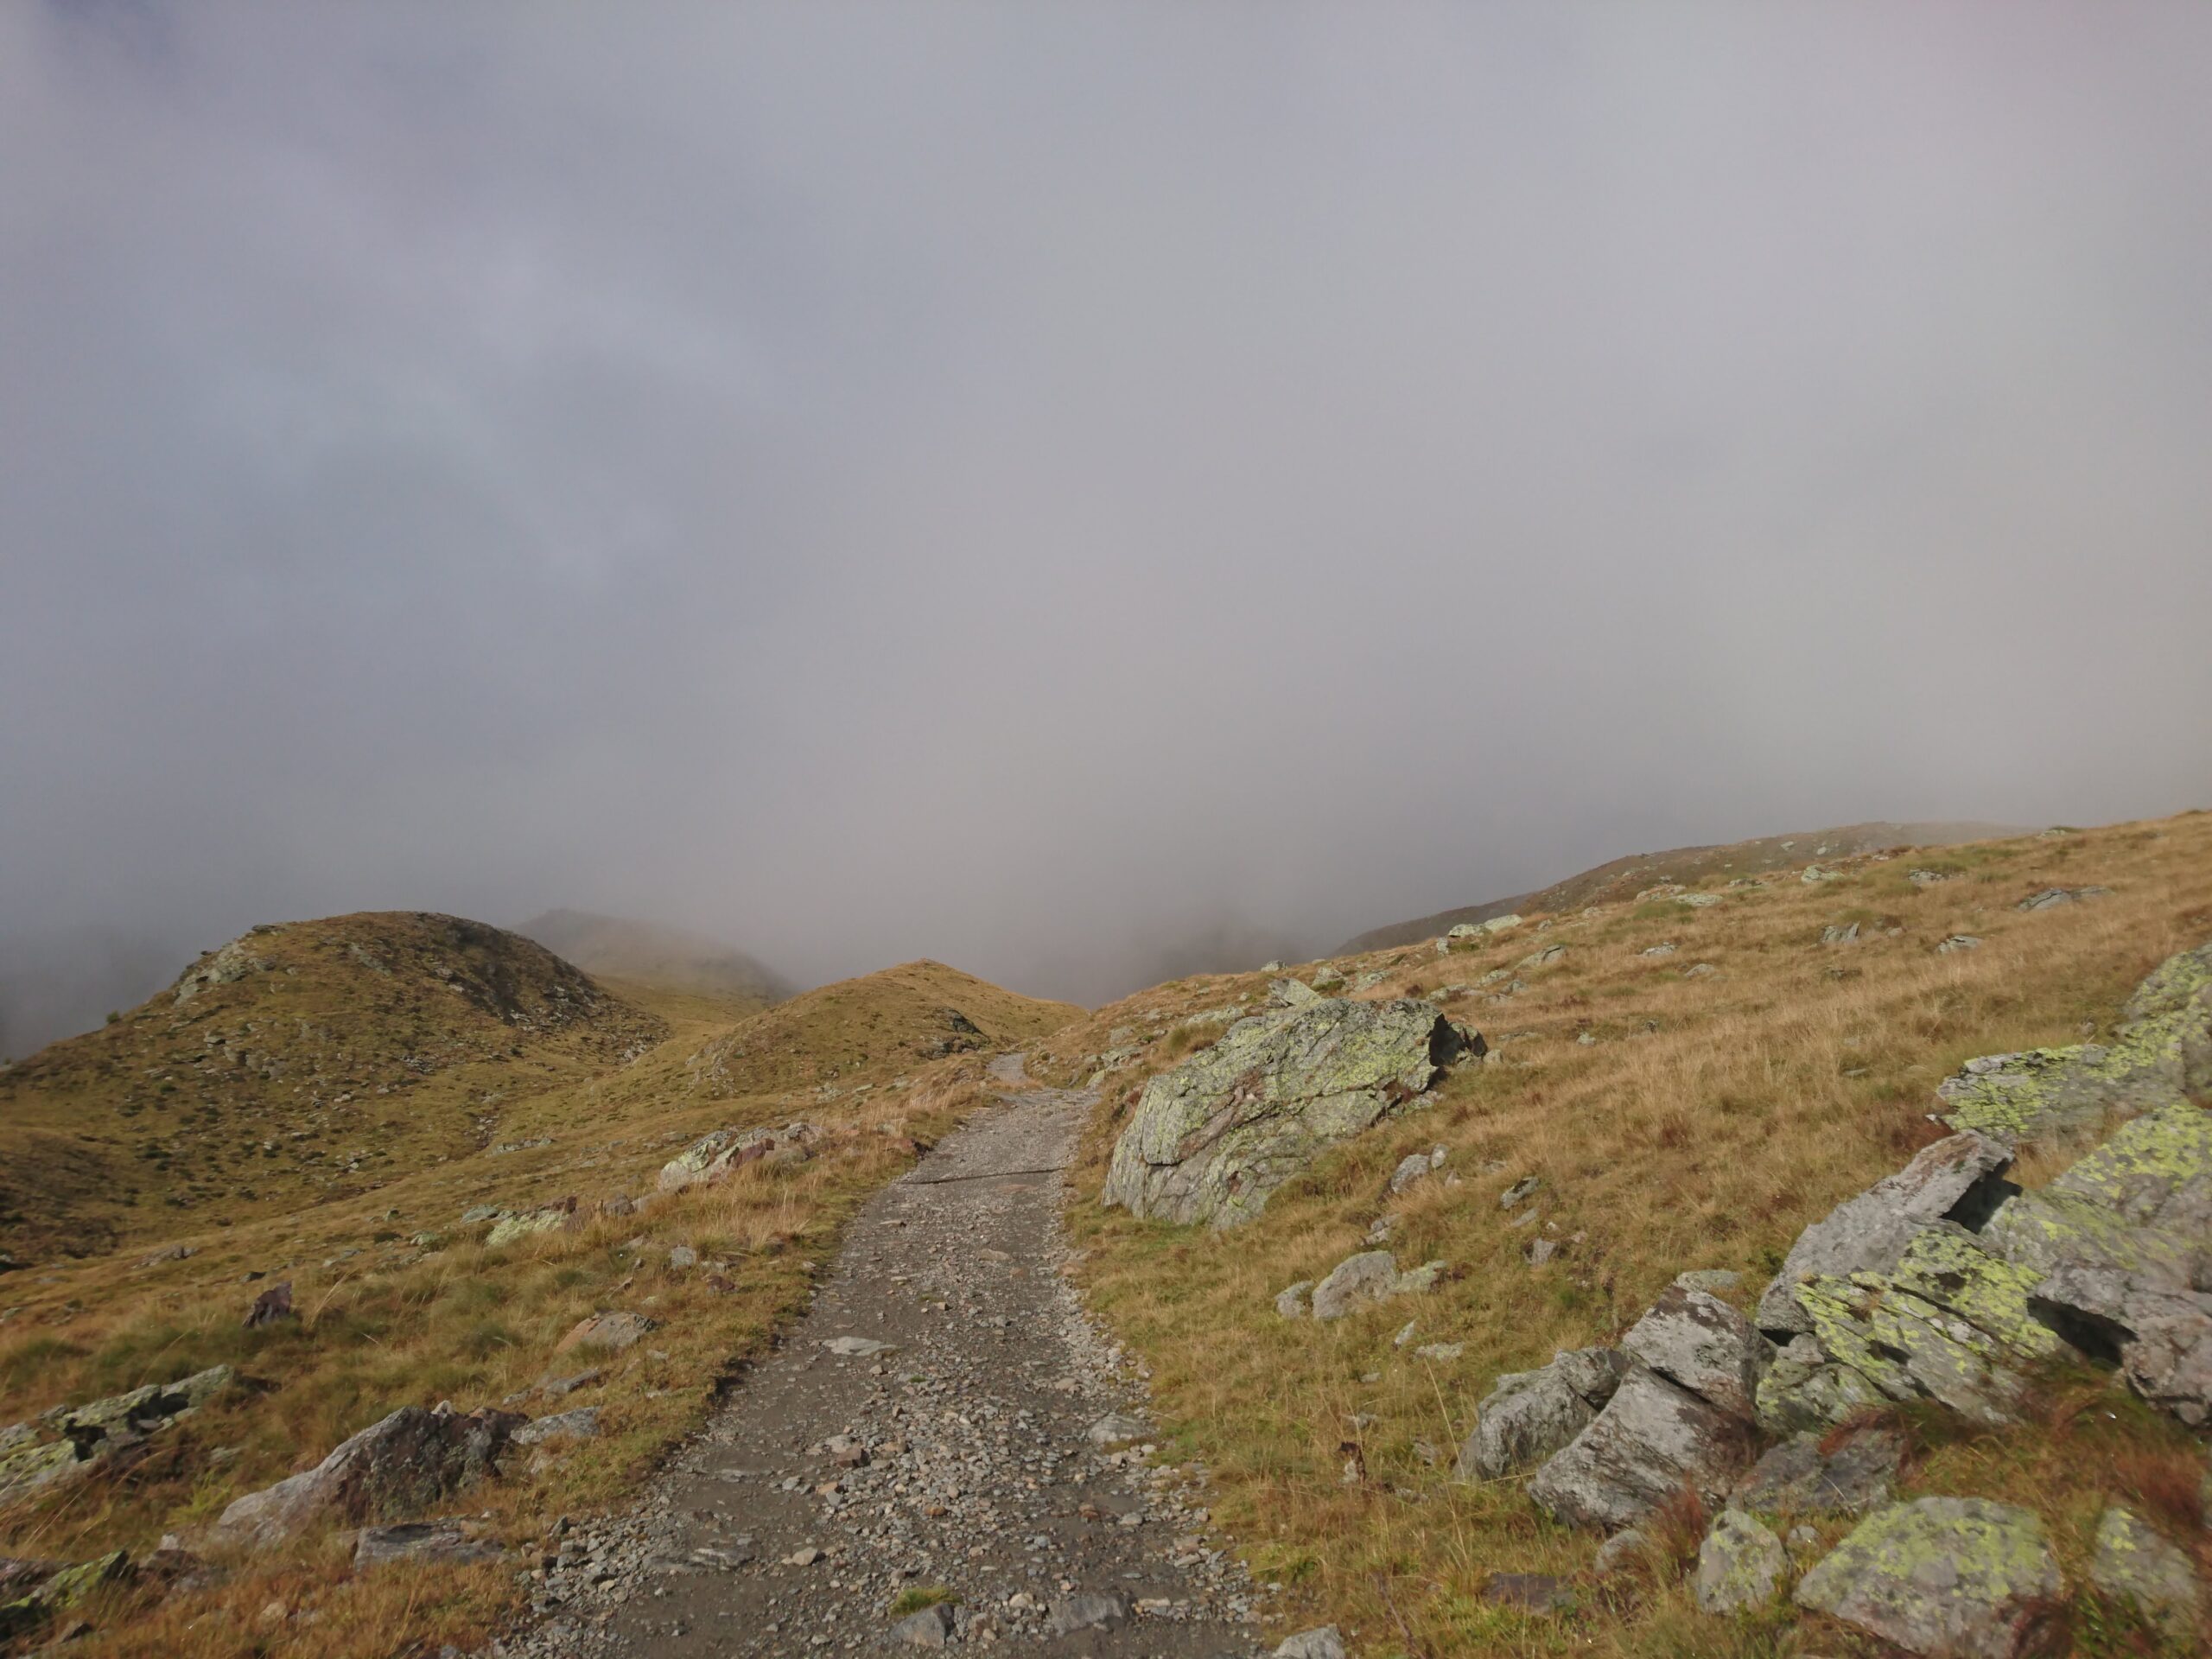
(68,1441)
(714,1157)
(1213,1138)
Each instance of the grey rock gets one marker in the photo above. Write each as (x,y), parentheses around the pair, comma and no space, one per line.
(1367,1279)
(1541,1251)
(931,1628)
(1958,941)
(859,1347)
(2136,1567)
(1117,1428)
(615,1330)
(402,1463)
(1320,1642)
(1948,1576)
(1520,1189)
(69,1441)
(1739,1565)
(1844,934)
(1413,1167)
(2051,898)
(582,1424)
(682,1258)
(1528,1415)
(1532,1592)
(420,1541)
(1693,1337)
(1214,1137)
(1797,1477)
(1652,1439)
(1088,1612)
(1290,1301)
(1957,1176)
(1618,1551)
(1292,993)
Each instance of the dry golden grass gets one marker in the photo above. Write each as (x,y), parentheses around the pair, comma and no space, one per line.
(386,1323)
(1710,1120)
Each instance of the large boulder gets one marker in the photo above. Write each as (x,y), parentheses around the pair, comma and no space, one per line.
(1693,1337)
(1212,1138)
(1959,1178)
(2136,1567)
(1739,1565)
(1653,1438)
(1528,1416)
(392,1469)
(1952,1577)
(2161,1054)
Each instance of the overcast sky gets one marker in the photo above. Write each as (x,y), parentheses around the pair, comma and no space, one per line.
(1027,485)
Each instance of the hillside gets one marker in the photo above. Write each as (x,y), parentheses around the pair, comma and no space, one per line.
(650,954)
(299,1064)
(1620,877)
(1671,1086)
(865,1031)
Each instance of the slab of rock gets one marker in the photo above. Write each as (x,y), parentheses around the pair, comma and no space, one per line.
(1117,1428)
(1088,1612)
(561,1218)
(1368,1278)
(1959,1577)
(1414,1167)
(615,1330)
(1323,1642)
(859,1347)
(1528,1416)
(398,1466)
(1960,1177)
(931,1628)
(1693,1337)
(1797,1477)
(1290,1301)
(441,1541)
(1213,1138)
(65,1444)
(1653,1437)
(1739,1565)
(2136,1567)
(582,1424)
(714,1157)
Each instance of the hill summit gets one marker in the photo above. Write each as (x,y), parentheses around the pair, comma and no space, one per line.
(300,1061)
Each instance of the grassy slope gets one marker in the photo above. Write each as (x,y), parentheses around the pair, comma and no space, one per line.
(387,1323)
(347,1051)
(1621,877)
(1712,1120)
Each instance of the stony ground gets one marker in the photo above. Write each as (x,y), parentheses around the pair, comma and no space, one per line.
(972,1455)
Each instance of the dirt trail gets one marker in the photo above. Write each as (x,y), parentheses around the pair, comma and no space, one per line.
(961,1457)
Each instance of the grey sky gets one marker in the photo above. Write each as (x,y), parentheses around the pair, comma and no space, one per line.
(1027,484)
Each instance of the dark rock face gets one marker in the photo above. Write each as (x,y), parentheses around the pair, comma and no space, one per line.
(396,1467)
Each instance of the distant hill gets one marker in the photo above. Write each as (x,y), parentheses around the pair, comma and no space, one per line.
(647,953)
(297,1063)
(57,984)
(868,1029)
(1624,877)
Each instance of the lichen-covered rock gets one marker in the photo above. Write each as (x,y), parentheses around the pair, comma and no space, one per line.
(1528,1416)
(2136,1567)
(2161,1054)
(714,1157)
(1798,1478)
(1953,1578)
(1212,1138)
(1739,1565)
(82,1435)
(1653,1438)
(398,1466)
(1805,1389)
(1950,1323)
(1693,1337)
(1960,1177)
(528,1224)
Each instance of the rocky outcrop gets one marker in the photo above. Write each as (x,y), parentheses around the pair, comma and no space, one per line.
(1957,1577)
(1211,1139)
(65,1444)
(1810,1474)
(716,1156)
(1528,1415)
(2161,1054)
(1681,1417)
(1962,1176)
(392,1469)
(561,1218)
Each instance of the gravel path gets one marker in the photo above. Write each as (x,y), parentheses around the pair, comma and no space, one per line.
(961,1457)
